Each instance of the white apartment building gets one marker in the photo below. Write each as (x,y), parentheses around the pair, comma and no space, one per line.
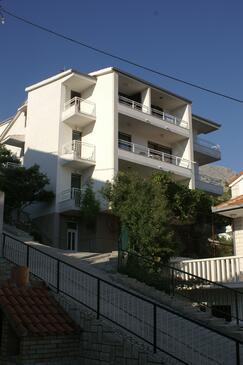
(78,126)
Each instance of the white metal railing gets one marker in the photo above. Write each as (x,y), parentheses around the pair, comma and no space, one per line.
(81,106)
(74,194)
(13,165)
(154,154)
(219,269)
(155,112)
(210,180)
(80,150)
(134,104)
(169,118)
(208,144)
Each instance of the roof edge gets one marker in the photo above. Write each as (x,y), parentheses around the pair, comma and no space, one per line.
(56,77)
(115,69)
(205,120)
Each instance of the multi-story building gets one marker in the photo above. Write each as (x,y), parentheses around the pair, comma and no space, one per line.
(79,126)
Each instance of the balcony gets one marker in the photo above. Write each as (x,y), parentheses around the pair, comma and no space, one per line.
(152,158)
(78,112)
(209,184)
(69,200)
(154,116)
(206,151)
(78,155)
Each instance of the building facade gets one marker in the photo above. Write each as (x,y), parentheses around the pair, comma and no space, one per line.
(78,126)
(233,208)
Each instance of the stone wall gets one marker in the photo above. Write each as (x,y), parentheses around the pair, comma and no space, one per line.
(106,344)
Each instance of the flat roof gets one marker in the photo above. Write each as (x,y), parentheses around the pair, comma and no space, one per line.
(206,120)
(57,77)
(110,69)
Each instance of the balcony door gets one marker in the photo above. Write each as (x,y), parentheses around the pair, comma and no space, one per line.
(72,236)
(160,152)
(124,141)
(76,182)
(76,142)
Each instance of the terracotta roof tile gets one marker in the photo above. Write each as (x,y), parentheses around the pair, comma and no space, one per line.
(231,203)
(33,311)
(235,177)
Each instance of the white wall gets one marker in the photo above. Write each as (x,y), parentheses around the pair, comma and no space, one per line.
(105,129)
(238,236)
(237,188)
(42,133)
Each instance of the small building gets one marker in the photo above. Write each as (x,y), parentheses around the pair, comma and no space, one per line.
(233,208)
(34,329)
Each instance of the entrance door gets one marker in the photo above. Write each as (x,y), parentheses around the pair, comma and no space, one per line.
(72,236)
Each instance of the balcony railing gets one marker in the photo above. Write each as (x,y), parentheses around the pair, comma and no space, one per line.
(81,106)
(210,180)
(219,269)
(71,194)
(80,150)
(152,111)
(208,144)
(12,165)
(154,154)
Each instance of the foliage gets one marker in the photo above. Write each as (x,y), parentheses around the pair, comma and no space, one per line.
(22,186)
(224,247)
(7,156)
(163,217)
(142,208)
(90,206)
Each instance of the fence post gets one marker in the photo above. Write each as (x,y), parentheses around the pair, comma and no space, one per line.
(3,243)
(58,275)
(28,255)
(236,308)
(155,327)
(98,299)
(237,353)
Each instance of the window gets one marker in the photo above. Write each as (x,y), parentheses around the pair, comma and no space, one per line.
(158,155)
(75,181)
(124,141)
(75,94)
(76,135)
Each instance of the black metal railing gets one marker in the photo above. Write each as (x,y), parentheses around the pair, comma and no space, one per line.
(183,339)
(175,281)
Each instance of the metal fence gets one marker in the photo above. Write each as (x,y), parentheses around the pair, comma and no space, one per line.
(176,281)
(186,341)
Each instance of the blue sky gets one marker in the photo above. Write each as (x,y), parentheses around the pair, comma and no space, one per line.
(200,41)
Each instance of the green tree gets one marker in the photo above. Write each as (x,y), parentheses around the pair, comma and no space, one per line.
(22,186)
(143,209)
(90,206)
(162,217)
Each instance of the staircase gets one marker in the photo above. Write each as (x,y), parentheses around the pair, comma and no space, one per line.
(171,327)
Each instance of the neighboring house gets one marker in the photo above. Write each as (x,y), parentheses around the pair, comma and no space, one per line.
(233,208)
(79,126)
(34,329)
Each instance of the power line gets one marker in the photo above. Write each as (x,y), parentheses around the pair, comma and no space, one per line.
(123,59)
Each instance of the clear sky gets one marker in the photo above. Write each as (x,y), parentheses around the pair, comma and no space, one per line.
(196,40)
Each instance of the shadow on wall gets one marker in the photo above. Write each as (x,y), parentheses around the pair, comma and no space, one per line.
(56,219)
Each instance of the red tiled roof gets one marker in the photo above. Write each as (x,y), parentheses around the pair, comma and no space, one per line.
(235,177)
(31,310)
(231,203)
